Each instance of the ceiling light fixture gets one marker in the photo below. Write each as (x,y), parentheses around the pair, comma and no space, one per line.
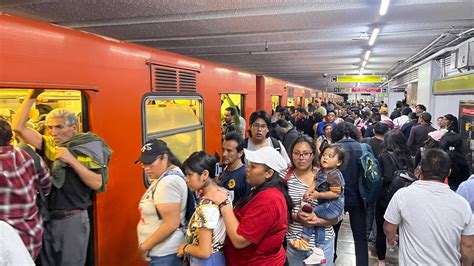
(384,7)
(364,63)
(375,33)
(361,71)
(367,54)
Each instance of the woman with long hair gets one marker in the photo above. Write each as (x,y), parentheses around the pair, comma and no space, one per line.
(395,156)
(453,144)
(163,206)
(257,226)
(206,231)
(302,174)
(450,123)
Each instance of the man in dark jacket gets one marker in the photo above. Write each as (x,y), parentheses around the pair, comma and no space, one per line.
(290,134)
(419,134)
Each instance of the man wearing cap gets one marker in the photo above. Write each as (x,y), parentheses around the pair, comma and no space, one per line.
(78,163)
(419,134)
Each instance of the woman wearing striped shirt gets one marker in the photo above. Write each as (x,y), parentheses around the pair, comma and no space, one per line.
(300,177)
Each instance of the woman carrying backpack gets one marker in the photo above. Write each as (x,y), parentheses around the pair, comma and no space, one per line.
(162,207)
(206,230)
(395,156)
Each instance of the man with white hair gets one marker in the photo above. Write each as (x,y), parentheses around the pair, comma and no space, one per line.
(78,164)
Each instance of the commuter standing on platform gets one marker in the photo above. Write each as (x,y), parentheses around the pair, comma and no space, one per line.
(19,180)
(233,178)
(436,224)
(419,134)
(75,178)
(260,123)
(257,226)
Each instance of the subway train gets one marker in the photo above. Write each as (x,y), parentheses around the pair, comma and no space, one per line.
(128,94)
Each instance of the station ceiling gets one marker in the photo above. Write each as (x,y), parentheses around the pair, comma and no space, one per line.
(301,41)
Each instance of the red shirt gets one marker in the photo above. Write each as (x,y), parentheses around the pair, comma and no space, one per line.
(263,221)
(18,182)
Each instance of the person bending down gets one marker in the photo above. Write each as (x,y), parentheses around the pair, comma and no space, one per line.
(327,189)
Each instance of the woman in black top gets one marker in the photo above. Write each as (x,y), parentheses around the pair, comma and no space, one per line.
(455,147)
(394,156)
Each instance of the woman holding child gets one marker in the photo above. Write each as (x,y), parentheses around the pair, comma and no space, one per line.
(302,181)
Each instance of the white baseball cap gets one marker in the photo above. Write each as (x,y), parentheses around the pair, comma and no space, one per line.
(268,156)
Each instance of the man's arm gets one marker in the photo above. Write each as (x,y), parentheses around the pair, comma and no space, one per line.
(467,250)
(391,233)
(27,134)
(90,178)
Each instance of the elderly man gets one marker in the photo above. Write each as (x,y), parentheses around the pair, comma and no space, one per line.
(78,165)
(436,224)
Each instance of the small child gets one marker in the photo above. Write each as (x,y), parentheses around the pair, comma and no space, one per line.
(328,190)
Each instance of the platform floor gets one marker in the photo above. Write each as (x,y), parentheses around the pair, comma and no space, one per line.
(346,251)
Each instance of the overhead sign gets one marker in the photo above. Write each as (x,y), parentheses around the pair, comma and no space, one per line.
(366,90)
(357,78)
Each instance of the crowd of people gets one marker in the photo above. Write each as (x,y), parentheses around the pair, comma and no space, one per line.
(279,200)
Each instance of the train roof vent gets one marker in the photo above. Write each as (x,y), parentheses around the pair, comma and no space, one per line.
(164,79)
(187,81)
(169,79)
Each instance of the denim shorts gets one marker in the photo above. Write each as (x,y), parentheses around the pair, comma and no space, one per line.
(216,259)
(168,260)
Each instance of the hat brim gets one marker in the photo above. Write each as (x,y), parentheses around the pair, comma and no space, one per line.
(145,159)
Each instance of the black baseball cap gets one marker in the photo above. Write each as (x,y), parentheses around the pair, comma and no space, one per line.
(426,117)
(151,150)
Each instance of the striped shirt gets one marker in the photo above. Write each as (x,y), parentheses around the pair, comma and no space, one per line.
(296,190)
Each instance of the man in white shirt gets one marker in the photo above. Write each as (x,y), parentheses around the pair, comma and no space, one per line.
(436,224)
(400,121)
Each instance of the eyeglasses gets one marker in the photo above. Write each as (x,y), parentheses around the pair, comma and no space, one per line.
(257,126)
(328,155)
(304,155)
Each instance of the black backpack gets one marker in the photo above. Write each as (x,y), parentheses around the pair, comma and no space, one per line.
(41,201)
(401,178)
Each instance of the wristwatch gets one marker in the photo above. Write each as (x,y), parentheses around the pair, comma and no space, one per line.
(225,202)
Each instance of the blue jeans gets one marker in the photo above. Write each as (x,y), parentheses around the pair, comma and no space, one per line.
(216,259)
(295,257)
(328,210)
(168,260)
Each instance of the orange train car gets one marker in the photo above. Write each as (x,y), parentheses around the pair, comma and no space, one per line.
(127,94)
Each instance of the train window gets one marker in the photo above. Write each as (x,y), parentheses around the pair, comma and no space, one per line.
(178,120)
(276,101)
(299,101)
(11,98)
(290,101)
(231,100)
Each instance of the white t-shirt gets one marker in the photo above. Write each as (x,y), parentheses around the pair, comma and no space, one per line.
(283,152)
(431,219)
(167,190)
(12,249)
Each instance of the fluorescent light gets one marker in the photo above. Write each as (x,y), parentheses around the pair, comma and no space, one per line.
(384,7)
(364,63)
(374,36)
(361,71)
(367,54)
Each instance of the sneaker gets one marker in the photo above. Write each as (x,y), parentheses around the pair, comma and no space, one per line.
(300,244)
(317,257)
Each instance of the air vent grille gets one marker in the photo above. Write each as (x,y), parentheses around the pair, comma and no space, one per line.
(169,79)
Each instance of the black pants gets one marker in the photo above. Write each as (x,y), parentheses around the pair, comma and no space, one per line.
(380,243)
(358,221)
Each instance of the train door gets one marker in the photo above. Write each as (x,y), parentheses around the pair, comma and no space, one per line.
(299,101)
(276,101)
(236,101)
(177,120)
(73,100)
